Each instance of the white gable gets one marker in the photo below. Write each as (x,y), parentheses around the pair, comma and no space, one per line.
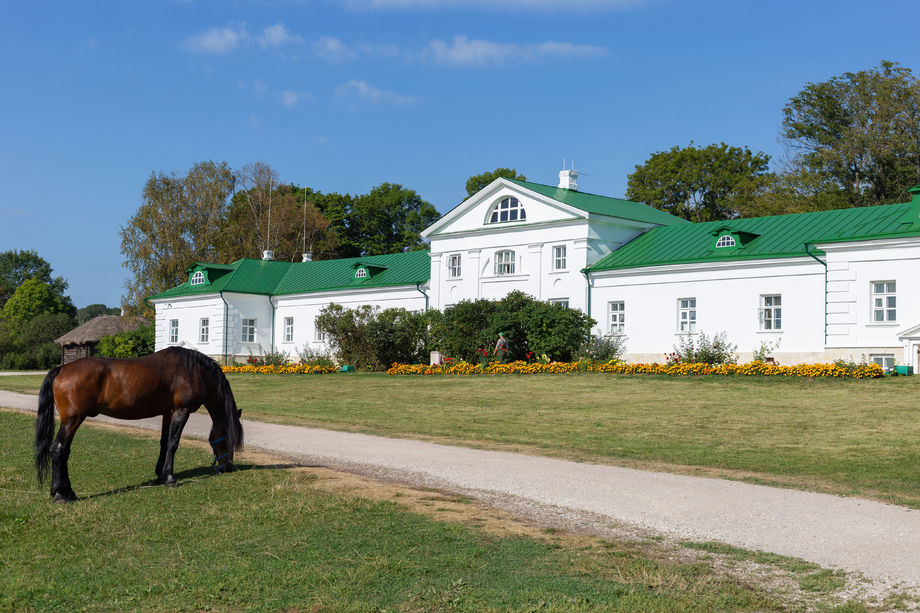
(473,214)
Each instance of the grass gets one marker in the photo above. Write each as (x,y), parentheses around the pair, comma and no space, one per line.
(837,436)
(23,384)
(272,538)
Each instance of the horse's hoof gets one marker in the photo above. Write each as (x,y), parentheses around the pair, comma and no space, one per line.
(64,497)
(226,468)
(170,482)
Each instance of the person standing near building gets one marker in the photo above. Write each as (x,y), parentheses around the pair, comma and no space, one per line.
(501,347)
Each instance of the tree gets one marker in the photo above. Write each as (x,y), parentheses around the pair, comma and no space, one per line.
(19,266)
(34,298)
(861,130)
(699,184)
(477,182)
(178,223)
(95,310)
(389,219)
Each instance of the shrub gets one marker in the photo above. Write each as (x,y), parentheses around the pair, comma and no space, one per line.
(314,357)
(704,350)
(347,334)
(131,344)
(765,350)
(603,348)
(272,357)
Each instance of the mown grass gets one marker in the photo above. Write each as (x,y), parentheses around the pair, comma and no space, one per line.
(267,539)
(839,436)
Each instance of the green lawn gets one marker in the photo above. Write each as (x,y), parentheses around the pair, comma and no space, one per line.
(267,538)
(840,436)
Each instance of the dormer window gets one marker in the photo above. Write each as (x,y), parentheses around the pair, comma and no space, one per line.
(508,209)
(726,240)
(361,273)
(197,278)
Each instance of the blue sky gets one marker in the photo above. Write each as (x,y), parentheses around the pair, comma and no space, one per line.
(342,96)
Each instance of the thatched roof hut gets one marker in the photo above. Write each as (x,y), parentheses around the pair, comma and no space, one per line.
(82,340)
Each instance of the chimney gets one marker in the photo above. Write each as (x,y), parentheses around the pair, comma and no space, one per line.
(268,254)
(568,179)
(307,256)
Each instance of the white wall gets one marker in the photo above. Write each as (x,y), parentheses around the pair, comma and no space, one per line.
(727,300)
(189,311)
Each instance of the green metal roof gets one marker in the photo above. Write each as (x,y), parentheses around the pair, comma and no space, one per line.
(779,236)
(604,205)
(274,278)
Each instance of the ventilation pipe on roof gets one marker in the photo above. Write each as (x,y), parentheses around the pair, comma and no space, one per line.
(568,179)
(307,256)
(268,254)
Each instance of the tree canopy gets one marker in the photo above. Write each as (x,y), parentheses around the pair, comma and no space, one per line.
(699,184)
(860,132)
(19,266)
(477,182)
(34,298)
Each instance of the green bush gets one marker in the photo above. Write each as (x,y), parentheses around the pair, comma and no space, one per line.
(701,348)
(314,357)
(347,335)
(372,339)
(603,348)
(131,344)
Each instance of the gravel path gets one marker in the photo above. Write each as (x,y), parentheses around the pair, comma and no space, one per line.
(880,541)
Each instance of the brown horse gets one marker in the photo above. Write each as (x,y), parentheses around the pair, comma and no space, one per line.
(173,383)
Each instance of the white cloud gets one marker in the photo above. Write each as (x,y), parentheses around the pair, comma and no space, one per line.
(277,36)
(360,90)
(333,50)
(216,41)
(290,99)
(524,5)
(484,53)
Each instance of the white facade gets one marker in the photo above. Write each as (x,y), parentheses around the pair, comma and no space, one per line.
(857,300)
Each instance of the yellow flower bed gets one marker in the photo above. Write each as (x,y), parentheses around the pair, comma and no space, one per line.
(749,369)
(289,369)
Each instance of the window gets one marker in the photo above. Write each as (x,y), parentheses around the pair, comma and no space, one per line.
(884,302)
(559,257)
(509,209)
(560,301)
(771,312)
(173,330)
(288,329)
(453,266)
(504,263)
(203,328)
(197,278)
(686,314)
(725,241)
(249,330)
(885,360)
(617,317)
(319,335)
(361,273)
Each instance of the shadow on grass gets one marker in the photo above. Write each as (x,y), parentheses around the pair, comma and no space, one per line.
(193,474)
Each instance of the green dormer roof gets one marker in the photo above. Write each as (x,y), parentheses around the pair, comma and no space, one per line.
(778,236)
(272,278)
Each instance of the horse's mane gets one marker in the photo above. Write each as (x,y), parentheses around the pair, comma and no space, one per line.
(193,359)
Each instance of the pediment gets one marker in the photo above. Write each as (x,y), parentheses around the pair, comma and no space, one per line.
(475,213)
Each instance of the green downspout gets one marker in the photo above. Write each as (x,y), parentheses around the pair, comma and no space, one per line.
(584,271)
(272,304)
(807,245)
(226,315)
(418,287)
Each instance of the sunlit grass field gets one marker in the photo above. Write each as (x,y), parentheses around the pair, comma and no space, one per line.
(841,436)
(270,538)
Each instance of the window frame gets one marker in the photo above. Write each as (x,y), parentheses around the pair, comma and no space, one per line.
(250,327)
(197,278)
(726,240)
(560,301)
(173,337)
(454,266)
(318,335)
(618,327)
(889,300)
(204,330)
(771,313)
(505,261)
(884,357)
(689,309)
(560,257)
(513,209)
(288,330)
(361,273)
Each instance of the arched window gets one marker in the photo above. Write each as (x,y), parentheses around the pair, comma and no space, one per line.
(361,273)
(508,209)
(197,278)
(504,262)
(725,241)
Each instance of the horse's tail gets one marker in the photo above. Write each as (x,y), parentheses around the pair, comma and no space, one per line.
(44,425)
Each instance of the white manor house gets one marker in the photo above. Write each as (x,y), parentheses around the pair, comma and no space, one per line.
(816,286)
